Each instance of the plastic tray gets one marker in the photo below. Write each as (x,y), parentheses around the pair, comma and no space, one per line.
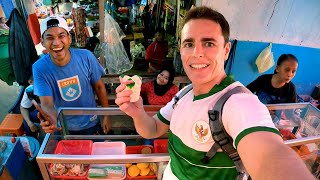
(108,148)
(73,147)
(160,145)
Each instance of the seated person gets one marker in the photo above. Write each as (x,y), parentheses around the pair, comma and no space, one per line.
(3,24)
(161,90)
(28,111)
(277,87)
(157,51)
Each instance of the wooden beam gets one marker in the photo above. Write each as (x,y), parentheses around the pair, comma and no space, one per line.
(101,29)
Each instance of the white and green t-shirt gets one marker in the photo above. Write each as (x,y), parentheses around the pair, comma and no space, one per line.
(190,136)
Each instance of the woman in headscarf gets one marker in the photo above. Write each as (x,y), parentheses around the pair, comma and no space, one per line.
(161,90)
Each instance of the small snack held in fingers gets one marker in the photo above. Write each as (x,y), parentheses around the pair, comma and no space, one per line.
(135,86)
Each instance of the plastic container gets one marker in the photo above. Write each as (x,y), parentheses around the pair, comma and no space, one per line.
(137,150)
(160,145)
(108,148)
(12,123)
(73,147)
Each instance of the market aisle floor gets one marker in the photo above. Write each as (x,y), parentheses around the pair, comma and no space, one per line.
(8,95)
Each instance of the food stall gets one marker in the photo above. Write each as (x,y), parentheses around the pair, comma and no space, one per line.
(299,124)
(83,153)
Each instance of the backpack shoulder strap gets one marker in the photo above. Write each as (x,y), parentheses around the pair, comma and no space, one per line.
(183,92)
(219,134)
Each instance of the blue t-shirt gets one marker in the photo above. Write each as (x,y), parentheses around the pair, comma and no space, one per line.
(70,85)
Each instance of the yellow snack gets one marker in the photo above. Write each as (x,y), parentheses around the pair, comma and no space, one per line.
(153,167)
(146,150)
(142,166)
(144,172)
(128,165)
(133,171)
(151,173)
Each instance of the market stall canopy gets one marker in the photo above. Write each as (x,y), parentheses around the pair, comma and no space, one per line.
(291,22)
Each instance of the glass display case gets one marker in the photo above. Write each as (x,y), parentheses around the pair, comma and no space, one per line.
(62,155)
(298,123)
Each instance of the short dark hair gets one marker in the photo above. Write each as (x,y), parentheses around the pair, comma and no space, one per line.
(285,57)
(204,12)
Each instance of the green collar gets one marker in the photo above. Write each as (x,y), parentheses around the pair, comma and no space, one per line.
(226,82)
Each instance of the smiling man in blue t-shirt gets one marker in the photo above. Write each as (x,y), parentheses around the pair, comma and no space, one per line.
(68,78)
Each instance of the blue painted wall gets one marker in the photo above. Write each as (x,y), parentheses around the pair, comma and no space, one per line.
(308,73)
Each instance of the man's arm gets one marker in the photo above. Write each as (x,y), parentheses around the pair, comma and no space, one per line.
(265,156)
(47,105)
(101,92)
(26,117)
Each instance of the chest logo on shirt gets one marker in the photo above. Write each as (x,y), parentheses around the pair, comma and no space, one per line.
(70,88)
(200,131)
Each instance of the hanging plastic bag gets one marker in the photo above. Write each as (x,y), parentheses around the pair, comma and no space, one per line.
(265,59)
(116,58)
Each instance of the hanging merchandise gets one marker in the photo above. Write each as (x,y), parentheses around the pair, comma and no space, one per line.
(6,69)
(116,58)
(22,51)
(79,19)
(265,59)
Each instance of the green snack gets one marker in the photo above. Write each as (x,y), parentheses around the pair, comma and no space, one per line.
(114,171)
(131,85)
(97,173)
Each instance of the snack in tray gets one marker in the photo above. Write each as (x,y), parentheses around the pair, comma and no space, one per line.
(133,171)
(109,172)
(144,172)
(146,150)
(287,135)
(142,169)
(142,165)
(97,173)
(59,169)
(135,86)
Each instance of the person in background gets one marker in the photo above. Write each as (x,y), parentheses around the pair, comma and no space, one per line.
(157,51)
(3,24)
(68,78)
(161,90)
(204,48)
(28,111)
(277,87)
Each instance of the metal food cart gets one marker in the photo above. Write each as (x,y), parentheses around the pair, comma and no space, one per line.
(301,119)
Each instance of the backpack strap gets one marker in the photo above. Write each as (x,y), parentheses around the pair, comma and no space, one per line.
(221,137)
(183,92)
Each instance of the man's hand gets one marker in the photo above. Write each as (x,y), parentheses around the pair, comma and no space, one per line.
(47,126)
(133,109)
(33,127)
(106,124)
